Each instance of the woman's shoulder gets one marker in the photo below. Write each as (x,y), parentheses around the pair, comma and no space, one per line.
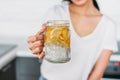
(109,22)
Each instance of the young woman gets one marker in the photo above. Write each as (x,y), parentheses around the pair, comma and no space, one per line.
(92,42)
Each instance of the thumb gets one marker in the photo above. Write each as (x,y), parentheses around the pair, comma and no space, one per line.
(44,27)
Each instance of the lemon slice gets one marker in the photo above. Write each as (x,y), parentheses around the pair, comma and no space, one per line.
(55,33)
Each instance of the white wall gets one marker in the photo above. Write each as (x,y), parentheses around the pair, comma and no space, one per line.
(22,17)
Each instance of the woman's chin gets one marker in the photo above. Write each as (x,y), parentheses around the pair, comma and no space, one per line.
(80,2)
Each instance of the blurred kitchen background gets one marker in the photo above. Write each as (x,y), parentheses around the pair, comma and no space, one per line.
(20,19)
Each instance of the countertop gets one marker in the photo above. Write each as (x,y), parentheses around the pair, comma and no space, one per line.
(7,54)
(23,53)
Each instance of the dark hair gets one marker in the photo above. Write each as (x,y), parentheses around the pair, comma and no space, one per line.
(94,2)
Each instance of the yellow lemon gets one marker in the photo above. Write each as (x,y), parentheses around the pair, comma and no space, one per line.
(55,33)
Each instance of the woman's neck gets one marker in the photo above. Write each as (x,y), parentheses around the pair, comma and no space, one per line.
(86,9)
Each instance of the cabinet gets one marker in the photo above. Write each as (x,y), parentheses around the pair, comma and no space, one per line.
(27,68)
(8,72)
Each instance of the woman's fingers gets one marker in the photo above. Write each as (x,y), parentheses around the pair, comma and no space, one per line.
(40,37)
(31,39)
(36,44)
(37,50)
(41,55)
(35,41)
(35,38)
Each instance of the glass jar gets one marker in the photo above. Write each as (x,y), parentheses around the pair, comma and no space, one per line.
(57,41)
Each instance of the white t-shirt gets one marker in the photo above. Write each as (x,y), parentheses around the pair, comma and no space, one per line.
(85,51)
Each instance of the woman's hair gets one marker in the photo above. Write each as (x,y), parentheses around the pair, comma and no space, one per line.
(94,2)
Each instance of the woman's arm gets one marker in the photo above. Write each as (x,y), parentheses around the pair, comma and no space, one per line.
(100,65)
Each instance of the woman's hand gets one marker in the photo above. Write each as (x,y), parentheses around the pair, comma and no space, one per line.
(36,43)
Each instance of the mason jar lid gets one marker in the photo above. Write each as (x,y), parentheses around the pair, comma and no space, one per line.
(57,23)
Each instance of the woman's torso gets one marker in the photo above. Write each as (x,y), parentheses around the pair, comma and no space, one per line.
(84,50)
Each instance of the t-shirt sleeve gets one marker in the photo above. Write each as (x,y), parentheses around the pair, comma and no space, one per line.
(48,15)
(55,12)
(110,38)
